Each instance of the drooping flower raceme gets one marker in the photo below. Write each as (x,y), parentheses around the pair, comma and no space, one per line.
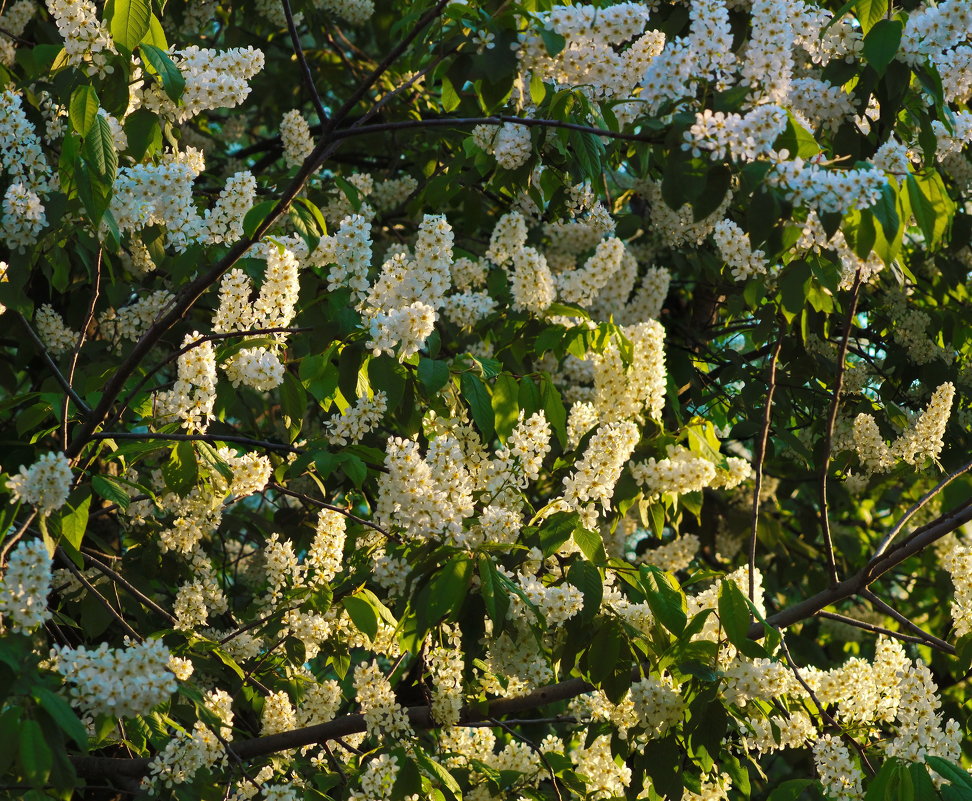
(45,484)
(25,586)
(118,682)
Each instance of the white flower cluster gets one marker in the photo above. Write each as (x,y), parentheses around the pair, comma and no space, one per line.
(223,223)
(393,192)
(401,305)
(275,306)
(680,473)
(188,752)
(349,253)
(357,420)
(325,559)
(20,149)
(161,194)
(592,59)
(922,440)
(193,395)
(627,393)
(214,79)
(741,138)
(509,143)
(377,779)
(53,332)
(133,320)
(737,252)
(45,484)
(555,604)
(582,285)
(657,703)
(446,666)
(839,775)
(354,12)
(384,716)
(673,556)
(23,217)
(14,20)
(86,39)
(810,185)
(599,469)
(296,138)
(25,586)
(117,682)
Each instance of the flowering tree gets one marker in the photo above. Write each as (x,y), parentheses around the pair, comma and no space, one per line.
(515,401)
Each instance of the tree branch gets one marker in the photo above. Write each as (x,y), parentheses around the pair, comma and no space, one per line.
(876,567)
(831,423)
(256,443)
(760,458)
(304,66)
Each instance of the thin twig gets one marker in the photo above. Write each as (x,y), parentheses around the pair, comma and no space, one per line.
(889,537)
(865,626)
(890,611)
(186,348)
(95,292)
(760,458)
(831,423)
(302,60)
(821,708)
(14,538)
(83,408)
(536,749)
(128,587)
(324,505)
(101,599)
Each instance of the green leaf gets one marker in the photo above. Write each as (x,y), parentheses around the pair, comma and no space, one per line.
(363,614)
(504,402)
(83,109)
(553,408)
(35,756)
(63,715)
(553,41)
(450,97)
(591,545)
(475,394)
(446,590)
(74,519)
(158,63)
(602,657)
(437,772)
(111,490)
(144,133)
(433,374)
(931,205)
(181,470)
(870,12)
(130,22)
(951,772)
(99,150)
(293,404)
(537,89)
(556,530)
(587,579)
(495,598)
(881,44)
(155,35)
(665,598)
(797,140)
(736,616)
(790,790)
